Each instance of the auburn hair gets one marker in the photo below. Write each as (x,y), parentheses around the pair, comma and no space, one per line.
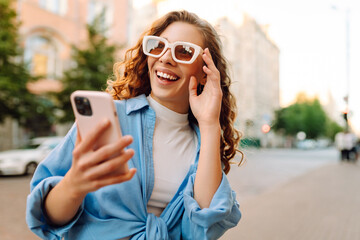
(132,79)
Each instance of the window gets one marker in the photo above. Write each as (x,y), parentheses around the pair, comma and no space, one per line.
(40,64)
(95,8)
(54,6)
(42,56)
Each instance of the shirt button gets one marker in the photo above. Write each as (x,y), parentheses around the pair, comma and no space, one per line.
(181,192)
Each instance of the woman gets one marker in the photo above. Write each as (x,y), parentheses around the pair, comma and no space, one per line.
(172,92)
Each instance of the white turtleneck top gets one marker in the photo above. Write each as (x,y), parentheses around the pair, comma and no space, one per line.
(174,150)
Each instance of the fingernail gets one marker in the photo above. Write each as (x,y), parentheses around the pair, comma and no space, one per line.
(105,122)
(128,138)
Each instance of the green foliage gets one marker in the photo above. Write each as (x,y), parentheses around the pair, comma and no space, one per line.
(15,99)
(307,116)
(332,128)
(315,120)
(92,68)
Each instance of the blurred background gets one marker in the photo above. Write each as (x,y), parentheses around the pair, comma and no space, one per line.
(294,66)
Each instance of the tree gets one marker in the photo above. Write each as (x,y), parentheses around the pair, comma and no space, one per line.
(305,115)
(314,119)
(93,66)
(15,99)
(332,128)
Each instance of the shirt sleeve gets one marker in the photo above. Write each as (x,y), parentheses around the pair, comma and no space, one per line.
(210,223)
(47,175)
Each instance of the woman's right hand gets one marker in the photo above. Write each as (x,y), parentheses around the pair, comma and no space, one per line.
(92,169)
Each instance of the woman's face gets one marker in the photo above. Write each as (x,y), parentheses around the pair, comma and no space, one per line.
(174,93)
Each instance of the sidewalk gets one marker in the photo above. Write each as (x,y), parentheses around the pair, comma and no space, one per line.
(323,204)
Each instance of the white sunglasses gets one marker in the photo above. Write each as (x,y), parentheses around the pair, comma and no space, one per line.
(182,52)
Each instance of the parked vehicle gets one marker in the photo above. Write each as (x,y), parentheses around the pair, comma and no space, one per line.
(25,160)
(306,144)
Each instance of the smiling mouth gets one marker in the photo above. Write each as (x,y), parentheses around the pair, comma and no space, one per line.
(166,76)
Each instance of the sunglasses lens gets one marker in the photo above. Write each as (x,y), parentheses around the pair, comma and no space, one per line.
(184,52)
(154,46)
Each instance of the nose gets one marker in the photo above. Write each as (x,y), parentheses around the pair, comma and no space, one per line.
(167,57)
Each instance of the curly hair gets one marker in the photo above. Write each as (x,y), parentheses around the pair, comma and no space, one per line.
(132,78)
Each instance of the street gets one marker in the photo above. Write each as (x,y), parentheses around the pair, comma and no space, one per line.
(14,190)
(297,195)
(272,186)
(266,169)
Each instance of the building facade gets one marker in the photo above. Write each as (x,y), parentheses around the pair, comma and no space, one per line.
(48,30)
(254,60)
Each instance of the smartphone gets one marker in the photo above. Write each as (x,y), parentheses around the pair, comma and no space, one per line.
(91,107)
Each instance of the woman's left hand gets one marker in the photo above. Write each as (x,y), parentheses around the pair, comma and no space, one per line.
(206,107)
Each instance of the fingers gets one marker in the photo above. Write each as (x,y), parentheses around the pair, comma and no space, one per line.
(78,138)
(111,150)
(108,151)
(210,69)
(88,142)
(92,169)
(193,86)
(208,59)
(113,179)
(111,167)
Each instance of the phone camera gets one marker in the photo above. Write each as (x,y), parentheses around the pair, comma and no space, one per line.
(83,106)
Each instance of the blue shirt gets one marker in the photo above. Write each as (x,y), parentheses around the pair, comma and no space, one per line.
(119,210)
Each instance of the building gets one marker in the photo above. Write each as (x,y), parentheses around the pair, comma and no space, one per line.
(48,30)
(254,59)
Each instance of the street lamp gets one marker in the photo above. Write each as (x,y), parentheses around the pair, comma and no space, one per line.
(347,36)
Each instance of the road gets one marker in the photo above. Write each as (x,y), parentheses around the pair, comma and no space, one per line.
(297,195)
(264,172)
(266,169)
(12,208)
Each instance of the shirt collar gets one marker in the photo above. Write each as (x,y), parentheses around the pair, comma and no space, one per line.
(136,103)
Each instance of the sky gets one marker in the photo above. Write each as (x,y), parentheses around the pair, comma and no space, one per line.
(312,39)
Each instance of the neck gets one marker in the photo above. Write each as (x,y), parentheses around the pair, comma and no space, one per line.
(173,105)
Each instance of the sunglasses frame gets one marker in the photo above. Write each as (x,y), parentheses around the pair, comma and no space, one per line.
(172,46)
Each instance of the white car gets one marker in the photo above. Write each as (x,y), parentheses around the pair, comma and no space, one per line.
(306,144)
(25,161)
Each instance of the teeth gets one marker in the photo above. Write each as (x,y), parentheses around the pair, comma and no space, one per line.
(165,75)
